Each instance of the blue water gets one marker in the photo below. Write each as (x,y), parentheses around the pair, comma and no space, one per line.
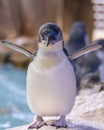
(13,105)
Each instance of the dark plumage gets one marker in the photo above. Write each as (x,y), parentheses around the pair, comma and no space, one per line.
(49,32)
(77,37)
(92,81)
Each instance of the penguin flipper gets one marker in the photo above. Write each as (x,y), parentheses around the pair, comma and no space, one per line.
(85,50)
(18,49)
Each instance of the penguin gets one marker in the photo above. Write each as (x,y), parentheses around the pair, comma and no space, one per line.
(100,55)
(51,80)
(86,64)
(48,78)
(78,37)
(91,83)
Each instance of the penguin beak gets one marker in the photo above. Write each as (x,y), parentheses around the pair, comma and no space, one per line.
(48,41)
(50,38)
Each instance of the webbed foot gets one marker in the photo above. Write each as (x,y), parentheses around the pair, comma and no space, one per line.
(38,123)
(61,123)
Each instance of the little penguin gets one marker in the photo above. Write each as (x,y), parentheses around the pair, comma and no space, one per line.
(51,80)
(78,37)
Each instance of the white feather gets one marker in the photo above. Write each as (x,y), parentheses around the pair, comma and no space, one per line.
(51,84)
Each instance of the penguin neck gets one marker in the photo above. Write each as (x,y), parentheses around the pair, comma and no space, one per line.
(52,51)
(48,57)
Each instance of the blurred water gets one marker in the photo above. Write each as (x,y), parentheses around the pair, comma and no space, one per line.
(13,105)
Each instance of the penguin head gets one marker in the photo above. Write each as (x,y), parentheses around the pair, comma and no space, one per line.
(78,32)
(49,35)
(78,29)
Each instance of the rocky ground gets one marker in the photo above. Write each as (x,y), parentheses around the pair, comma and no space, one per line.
(73,127)
(89,108)
(87,114)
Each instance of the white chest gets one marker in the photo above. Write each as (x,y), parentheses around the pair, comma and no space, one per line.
(49,83)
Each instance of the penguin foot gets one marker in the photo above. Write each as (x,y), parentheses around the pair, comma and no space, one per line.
(61,123)
(39,123)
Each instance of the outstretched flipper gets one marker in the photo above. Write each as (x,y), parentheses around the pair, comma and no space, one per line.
(85,50)
(18,48)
